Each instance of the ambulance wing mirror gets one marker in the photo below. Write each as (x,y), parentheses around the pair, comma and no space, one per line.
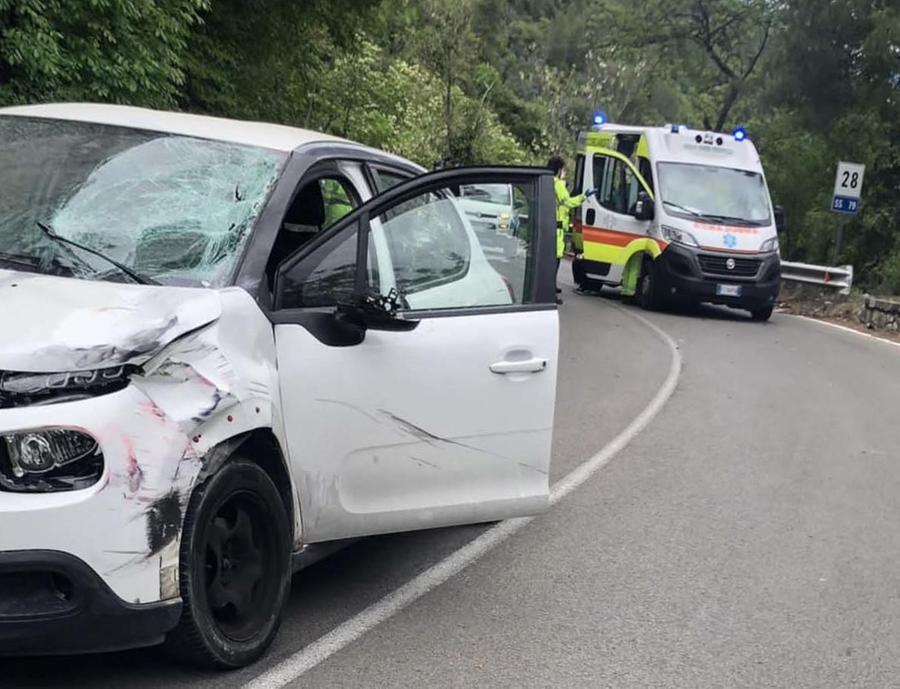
(643,207)
(780,219)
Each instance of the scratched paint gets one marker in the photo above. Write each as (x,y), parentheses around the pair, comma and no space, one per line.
(206,376)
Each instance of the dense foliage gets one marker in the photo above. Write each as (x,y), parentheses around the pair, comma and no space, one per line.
(815,81)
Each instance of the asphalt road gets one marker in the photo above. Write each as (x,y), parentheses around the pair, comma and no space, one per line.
(747,538)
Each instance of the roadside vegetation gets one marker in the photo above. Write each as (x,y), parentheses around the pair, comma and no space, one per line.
(511,81)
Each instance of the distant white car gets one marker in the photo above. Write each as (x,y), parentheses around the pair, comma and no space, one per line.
(227,345)
(492,211)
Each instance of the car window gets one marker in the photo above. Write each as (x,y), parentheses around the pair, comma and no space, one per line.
(319,203)
(448,250)
(326,277)
(646,170)
(579,173)
(429,250)
(385,179)
(337,199)
(619,187)
(427,241)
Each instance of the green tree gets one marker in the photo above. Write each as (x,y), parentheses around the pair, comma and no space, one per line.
(833,76)
(124,51)
(718,43)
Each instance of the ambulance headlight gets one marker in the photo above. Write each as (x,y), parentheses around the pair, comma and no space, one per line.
(769,245)
(678,236)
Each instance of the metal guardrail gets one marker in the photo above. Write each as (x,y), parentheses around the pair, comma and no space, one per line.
(837,277)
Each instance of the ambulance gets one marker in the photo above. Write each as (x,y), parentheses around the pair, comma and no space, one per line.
(679,216)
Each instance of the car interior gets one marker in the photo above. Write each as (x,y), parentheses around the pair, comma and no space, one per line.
(309,213)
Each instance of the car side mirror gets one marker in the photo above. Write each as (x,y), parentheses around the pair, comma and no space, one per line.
(643,207)
(780,219)
(375,312)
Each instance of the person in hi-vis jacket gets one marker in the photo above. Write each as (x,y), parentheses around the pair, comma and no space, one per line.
(565,203)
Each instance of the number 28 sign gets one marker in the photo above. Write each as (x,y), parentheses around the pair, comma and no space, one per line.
(847,187)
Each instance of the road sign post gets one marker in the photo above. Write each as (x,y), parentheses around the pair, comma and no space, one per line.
(846,197)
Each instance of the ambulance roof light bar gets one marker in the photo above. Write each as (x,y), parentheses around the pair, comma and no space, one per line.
(739,133)
(599,118)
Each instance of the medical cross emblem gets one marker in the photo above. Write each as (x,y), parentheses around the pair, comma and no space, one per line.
(730,240)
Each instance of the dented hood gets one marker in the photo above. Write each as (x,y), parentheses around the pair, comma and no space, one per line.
(51,324)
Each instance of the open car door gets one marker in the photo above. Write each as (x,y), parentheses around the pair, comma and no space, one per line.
(418,374)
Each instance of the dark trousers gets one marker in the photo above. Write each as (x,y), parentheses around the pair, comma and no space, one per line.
(578,271)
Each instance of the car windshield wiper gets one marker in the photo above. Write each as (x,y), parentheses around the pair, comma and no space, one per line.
(137,277)
(730,218)
(696,214)
(31,264)
(21,261)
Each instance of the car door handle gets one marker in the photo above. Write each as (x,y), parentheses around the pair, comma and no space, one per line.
(527,366)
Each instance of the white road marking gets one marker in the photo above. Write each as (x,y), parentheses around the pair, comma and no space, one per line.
(343,635)
(844,327)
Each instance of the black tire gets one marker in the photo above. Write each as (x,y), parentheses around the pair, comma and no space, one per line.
(648,290)
(234,569)
(762,314)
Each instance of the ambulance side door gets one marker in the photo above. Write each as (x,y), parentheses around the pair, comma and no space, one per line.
(609,225)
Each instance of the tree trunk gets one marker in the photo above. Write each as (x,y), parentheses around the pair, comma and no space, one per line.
(448,108)
(7,21)
(727,105)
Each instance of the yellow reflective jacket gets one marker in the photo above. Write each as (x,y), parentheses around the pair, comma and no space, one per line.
(564,205)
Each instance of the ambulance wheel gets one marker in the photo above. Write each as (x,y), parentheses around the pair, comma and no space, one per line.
(648,292)
(762,314)
(235,569)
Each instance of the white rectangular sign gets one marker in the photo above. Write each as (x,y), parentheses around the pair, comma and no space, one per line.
(849,180)
(847,187)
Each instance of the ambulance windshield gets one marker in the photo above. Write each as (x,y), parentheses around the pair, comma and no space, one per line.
(719,194)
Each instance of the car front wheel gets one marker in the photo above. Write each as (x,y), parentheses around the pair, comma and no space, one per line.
(762,314)
(234,568)
(649,289)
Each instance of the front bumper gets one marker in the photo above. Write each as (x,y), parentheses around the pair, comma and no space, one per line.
(126,528)
(685,274)
(53,603)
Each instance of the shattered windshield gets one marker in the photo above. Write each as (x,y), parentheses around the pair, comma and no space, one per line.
(175,209)
(714,193)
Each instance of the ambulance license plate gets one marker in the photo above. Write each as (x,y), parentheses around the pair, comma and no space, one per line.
(728,290)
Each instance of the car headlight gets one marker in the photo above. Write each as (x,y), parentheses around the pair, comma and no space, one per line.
(770,244)
(503,222)
(678,236)
(22,389)
(48,460)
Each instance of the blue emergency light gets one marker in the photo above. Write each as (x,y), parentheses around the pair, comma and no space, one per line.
(599,118)
(739,133)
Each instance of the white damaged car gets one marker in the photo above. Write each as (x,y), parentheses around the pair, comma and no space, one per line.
(227,346)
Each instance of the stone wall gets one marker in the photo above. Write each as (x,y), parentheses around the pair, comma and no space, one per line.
(881,314)
(875,313)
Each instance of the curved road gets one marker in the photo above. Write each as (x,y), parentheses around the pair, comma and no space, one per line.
(747,538)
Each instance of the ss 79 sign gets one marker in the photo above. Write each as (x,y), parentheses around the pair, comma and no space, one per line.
(847,187)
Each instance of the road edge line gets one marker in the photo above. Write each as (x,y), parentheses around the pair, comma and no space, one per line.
(300,662)
(842,327)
